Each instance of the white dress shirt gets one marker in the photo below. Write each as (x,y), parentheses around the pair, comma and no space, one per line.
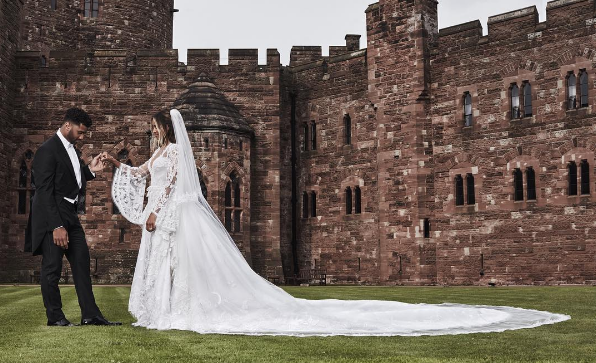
(74,159)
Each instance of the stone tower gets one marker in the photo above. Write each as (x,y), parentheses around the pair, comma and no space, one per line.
(97,24)
(401,35)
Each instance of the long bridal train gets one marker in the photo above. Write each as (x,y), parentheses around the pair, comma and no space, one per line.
(191,276)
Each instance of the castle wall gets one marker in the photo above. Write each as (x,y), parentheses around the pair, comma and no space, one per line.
(547,241)
(135,24)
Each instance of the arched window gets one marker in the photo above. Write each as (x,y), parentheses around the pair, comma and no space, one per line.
(585,177)
(53,4)
(44,61)
(583,88)
(459,190)
(305,205)
(91,8)
(426,228)
(348,129)
(515,101)
(206,143)
(313,204)
(571,91)
(467,109)
(348,200)
(237,204)
(225,143)
(305,134)
(228,204)
(527,99)
(572,181)
(518,185)
(121,155)
(358,198)
(25,185)
(531,183)
(471,192)
(313,136)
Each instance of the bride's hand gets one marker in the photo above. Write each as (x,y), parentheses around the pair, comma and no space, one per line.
(107,158)
(150,225)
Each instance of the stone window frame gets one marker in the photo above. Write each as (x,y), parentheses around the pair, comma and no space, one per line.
(523,162)
(91,2)
(579,64)
(309,190)
(236,185)
(341,134)
(459,112)
(522,78)
(352,182)
(463,169)
(577,154)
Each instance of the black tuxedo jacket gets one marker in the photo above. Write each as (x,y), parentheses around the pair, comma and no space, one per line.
(54,179)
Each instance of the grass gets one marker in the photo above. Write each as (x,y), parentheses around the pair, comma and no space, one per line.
(25,338)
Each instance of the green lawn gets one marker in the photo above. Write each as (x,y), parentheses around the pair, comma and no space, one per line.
(25,338)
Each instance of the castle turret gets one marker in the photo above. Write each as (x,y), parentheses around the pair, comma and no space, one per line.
(97,24)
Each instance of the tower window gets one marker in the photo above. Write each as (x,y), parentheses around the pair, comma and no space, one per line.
(571,91)
(358,198)
(585,177)
(467,109)
(583,88)
(471,192)
(91,8)
(527,99)
(515,113)
(572,175)
(459,190)
(518,185)
(348,129)
(531,183)
(305,205)
(53,4)
(305,135)
(313,136)
(313,204)
(233,212)
(348,200)
(426,228)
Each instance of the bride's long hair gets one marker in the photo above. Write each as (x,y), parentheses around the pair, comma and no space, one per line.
(164,129)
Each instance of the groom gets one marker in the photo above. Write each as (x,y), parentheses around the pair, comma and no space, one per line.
(54,229)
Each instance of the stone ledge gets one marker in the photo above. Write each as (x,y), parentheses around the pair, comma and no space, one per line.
(531,10)
(560,3)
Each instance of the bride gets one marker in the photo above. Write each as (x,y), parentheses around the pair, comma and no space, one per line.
(191,276)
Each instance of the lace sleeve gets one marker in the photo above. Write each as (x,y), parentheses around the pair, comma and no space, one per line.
(172,157)
(128,191)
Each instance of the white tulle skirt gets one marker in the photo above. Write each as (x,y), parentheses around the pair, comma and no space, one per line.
(194,279)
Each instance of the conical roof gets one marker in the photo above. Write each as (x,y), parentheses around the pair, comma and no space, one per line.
(204,107)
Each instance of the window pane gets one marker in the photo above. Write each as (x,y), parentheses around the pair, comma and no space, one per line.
(572,173)
(228,200)
(22,203)
(358,201)
(531,180)
(571,91)
(348,201)
(518,183)
(468,110)
(426,228)
(229,220)
(584,89)
(459,190)
(87,8)
(304,205)
(527,100)
(23,175)
(237,195)
(313,204)
(348,128)
(585,174)
(471,192)
(237,220)
(313,136)
(515,101)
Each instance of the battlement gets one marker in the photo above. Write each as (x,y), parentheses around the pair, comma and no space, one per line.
(208,60)
(518,25)
(301,55)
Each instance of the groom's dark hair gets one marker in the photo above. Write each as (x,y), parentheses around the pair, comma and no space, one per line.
(77,116)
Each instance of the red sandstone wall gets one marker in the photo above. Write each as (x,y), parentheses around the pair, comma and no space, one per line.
(552,240)
(131,24)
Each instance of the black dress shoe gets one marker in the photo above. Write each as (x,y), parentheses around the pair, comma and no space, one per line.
(99,320)
(61,322)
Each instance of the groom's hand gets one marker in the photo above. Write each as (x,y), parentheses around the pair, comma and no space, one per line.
(61,238)
(96,164)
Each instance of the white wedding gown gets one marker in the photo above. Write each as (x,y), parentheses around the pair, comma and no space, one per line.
(190,275)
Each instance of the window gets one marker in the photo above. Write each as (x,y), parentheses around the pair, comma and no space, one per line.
(459,190)
(531,183)
(234,211)
(515,101)
(518,185)
(53,4)
(348,200)
(467,109)
(357,196)
(225,143)
(313,204)
(572,173)
(527,90)
(91,8)
(206,143)
(348,129)
(305,205)
(426,228)
(305,134)
(471,192)
(583,88)
(571,91)
(313,136)
(44,61)
(585,177)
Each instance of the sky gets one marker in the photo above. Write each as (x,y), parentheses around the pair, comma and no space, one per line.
(281,24)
